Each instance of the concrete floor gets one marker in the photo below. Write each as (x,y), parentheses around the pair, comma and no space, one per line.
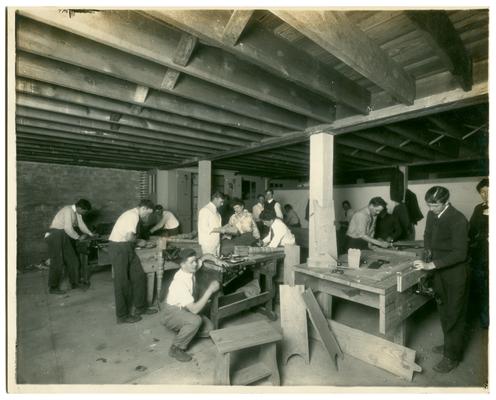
(73,339)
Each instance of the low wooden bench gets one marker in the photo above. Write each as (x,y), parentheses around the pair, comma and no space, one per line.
(259,335)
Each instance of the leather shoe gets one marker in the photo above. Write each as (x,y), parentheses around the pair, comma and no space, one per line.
(57,291)
(179,354)
(438,349)
(147,311)
(445,365)
(130,319)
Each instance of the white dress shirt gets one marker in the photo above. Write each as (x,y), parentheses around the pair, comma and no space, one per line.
(279,235)
(180,292)
(208,220)
(125,224)
(67,218)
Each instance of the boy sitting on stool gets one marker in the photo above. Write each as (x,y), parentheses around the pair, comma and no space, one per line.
(182,308)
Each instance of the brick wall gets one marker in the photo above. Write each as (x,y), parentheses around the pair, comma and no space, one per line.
(42,189)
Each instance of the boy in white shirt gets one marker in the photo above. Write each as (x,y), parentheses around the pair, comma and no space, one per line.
(183,307)
(279,233)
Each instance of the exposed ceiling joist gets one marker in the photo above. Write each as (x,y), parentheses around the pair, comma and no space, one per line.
(395,141)
(45,41)
(47,135)
(60,121)
(40,108)
(449,147)
(55,73)
(235,26)
(44,91)
(439,31)
(83,131)
(272,53)
(140,36)
(98,146)
(334,32)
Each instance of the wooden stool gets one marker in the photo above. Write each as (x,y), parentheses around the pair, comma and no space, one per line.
(258,334)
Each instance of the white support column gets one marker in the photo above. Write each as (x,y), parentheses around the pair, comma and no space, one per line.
(322,232)
(204,183)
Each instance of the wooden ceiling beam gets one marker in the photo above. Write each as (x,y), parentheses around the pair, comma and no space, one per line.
(439,31)
(115,156)
(86,160)
(65,75)
(448,148)
(235,26)
(82,131)
(36,38)
(45,160)
(42,91)
(363,144)
(145,38)
(390,139)
(37,106)
(54,120)
(274,167)
(96,148)
(446,127)
(49,135)
(270,52)
(21,157)
(334,32)
(451,99)
(354,153)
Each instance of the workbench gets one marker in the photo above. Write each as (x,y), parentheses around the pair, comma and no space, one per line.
(264,268)
(153,264)
(390,288)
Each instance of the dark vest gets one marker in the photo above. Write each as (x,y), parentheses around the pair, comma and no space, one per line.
(270,206)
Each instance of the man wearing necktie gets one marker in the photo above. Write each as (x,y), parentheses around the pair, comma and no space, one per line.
(360,233)
(183,306)
(60,239)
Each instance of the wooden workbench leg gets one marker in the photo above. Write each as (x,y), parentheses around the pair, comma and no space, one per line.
(160,275)
(150,276)
(221,374)
(398,335)
(269,287)
(214,310)
(268,357)
(325,302)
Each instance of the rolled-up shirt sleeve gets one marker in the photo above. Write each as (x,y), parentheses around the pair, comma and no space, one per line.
(358,226)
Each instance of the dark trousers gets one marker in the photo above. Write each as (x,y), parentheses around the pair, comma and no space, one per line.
(353,243)
(480,292)
(451,286)
(129,279)
(62,256)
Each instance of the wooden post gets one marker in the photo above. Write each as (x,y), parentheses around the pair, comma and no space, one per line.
(204,183)
(291,258)
(322,233)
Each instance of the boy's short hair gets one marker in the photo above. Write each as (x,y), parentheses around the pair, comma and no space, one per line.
(184,254)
